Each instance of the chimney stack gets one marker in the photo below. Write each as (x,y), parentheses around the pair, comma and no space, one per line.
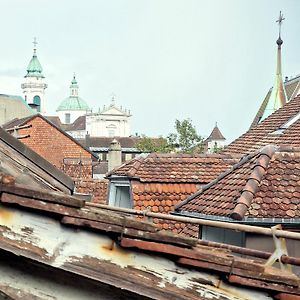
(114,155)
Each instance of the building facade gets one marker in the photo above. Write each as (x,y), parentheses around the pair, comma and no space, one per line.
(111,121)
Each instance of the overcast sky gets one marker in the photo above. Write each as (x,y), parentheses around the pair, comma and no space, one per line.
(204,60)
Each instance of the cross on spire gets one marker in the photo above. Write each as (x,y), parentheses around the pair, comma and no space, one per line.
(113,96)
(34,44)
(279,21)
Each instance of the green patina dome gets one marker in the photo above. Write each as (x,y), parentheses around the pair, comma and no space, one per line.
(73,103)
(34,68)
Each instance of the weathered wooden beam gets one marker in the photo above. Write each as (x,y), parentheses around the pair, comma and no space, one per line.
(217,257)
(100,258)
(263,284)
(43,195)
(131,230)
(276,278)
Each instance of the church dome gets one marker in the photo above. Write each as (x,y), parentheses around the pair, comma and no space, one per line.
(73,103)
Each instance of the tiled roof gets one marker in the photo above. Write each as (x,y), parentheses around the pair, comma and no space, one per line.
(95,187)
(78,124)
(162,198)
(172,168)
(291,88)
(264,184)
(117,251)
(265,132)
(215,135)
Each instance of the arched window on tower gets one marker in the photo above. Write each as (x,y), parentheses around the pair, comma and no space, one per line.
(37,103)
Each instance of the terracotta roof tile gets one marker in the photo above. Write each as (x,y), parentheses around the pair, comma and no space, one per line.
(179,168)
(267,131)
(291,88)
(255,188)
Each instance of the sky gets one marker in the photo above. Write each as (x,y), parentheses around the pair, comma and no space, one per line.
(210,61)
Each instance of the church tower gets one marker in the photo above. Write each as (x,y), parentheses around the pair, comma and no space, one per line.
(276,97)
(34,85)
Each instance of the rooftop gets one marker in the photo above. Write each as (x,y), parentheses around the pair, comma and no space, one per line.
(272,130)
(262,187)
(292,87)
(118,250)
(175,168)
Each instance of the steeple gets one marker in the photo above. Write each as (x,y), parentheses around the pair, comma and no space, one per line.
(278,95)
(34,68)
(34,86)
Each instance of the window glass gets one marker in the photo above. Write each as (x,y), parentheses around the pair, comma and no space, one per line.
(67,118)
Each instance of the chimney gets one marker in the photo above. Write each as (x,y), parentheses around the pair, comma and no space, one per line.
(87,141)
(114,155)
(286,79)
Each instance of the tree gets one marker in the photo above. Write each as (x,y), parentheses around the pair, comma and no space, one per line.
(185,140)
(147,144)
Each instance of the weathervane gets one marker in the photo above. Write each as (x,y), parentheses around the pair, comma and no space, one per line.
(279,21)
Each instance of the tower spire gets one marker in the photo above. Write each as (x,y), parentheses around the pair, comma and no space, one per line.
(34,45)
(278,95)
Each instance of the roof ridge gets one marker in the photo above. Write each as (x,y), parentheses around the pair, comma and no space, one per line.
(253,182)
(135,166)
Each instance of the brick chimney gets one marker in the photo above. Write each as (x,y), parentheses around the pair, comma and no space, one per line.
(114,155)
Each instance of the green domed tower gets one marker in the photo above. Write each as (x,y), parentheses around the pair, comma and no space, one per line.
(34,85)
(73,106)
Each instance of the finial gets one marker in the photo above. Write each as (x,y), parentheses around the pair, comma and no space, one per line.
(74,75)
(279,21)
(113,99)
(216,124)
(34,45)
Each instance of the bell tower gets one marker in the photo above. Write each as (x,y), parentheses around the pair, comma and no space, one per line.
(34,85)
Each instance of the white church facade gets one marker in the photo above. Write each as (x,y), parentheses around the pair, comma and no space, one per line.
(111,121)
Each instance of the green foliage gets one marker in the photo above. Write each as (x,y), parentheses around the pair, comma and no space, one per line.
(185,140)
(159,145)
